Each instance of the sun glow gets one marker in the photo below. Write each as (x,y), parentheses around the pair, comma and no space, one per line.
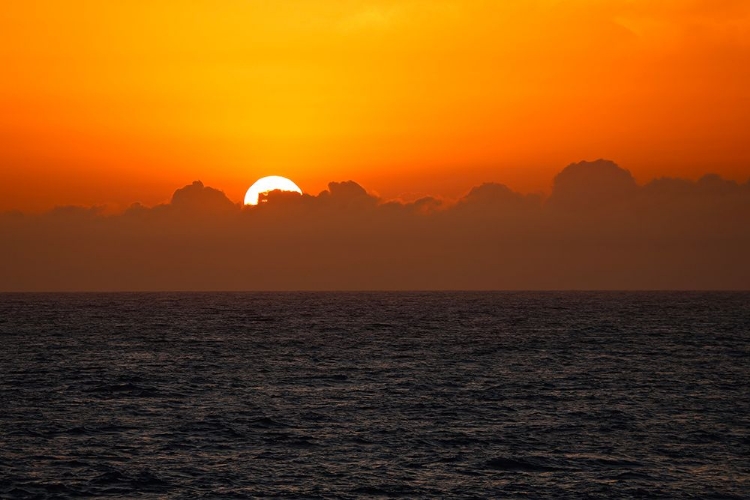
(268,184)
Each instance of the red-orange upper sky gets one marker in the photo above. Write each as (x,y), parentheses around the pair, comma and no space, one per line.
(116,102)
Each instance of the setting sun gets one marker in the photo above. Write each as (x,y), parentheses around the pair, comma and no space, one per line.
(268,184)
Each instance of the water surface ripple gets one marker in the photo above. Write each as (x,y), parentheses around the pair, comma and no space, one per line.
(353,395)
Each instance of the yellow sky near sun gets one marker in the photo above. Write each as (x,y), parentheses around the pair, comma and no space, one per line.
(113,102)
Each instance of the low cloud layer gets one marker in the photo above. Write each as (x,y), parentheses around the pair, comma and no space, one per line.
(598,229)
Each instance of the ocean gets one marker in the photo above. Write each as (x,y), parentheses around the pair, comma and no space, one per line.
(375,395)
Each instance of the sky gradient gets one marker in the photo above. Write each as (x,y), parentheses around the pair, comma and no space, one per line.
(106,103)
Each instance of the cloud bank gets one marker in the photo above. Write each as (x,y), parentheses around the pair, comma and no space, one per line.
(598,229)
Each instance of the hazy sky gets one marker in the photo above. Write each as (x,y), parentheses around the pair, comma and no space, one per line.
(112,102)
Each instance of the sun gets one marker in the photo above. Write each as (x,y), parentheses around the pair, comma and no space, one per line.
(268,184)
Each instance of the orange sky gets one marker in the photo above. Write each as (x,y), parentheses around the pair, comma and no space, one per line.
(116,102)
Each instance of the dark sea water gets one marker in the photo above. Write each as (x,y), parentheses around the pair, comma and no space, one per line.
(356,395)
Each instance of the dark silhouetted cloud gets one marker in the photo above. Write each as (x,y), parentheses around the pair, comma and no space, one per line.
(591,185)
(197,198)
(597,230)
